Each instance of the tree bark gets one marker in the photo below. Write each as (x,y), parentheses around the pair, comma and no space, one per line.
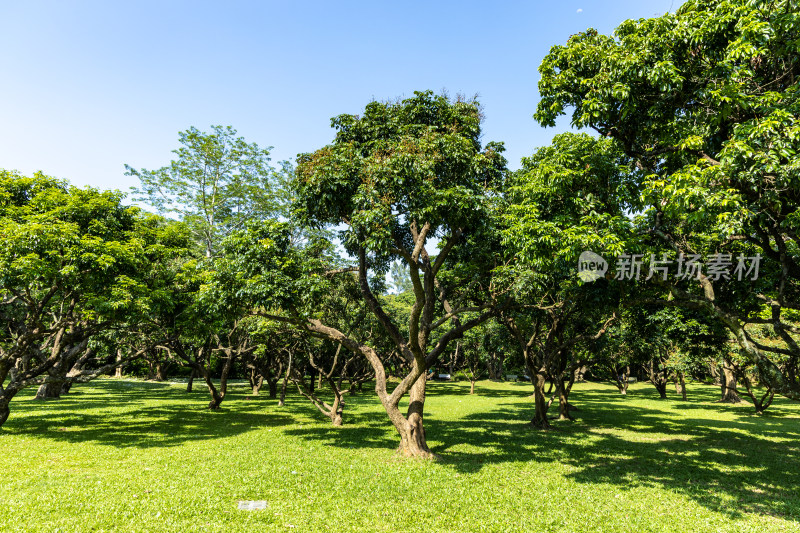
(218,396)
(621,380)
(540,402)
(190,382)
(662,390)
(490,367)
(680,385)
(5,398)
(658,377)
(49,391)
(760,404)
(282,400)
(729,391)
(411,428)
(4,411)
(472,387)
(256,380)
(161,372)
(564,407)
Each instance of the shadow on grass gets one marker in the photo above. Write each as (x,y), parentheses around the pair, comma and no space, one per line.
(729,466)
(734,464)
(149,415)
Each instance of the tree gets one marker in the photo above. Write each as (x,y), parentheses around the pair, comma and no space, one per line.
(394,177)
(400,278)
(217,183)
(569,198)
(74,263)
(705,101)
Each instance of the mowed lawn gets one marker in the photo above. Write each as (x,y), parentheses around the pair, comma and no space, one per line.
(118,455)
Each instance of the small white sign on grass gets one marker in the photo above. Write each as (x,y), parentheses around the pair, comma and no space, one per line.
(252,505)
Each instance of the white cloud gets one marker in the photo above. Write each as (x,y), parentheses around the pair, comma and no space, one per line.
(579,10)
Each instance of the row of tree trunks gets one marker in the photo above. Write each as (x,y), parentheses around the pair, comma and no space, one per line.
(58,383)
(494,365)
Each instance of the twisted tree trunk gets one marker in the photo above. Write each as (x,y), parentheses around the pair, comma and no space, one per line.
(729,392)
(539,400)
(411,428)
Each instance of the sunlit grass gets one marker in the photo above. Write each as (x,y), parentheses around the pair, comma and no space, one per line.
(136,456)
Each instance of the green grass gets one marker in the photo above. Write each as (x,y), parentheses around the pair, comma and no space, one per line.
(137,456)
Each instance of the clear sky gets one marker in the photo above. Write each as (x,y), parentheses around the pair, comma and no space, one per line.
(89,86)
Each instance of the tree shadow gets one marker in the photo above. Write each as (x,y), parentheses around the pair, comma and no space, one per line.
(750,464)
(150,415)
(737,463)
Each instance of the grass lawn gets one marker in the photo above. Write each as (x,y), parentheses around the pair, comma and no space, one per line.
(120,455)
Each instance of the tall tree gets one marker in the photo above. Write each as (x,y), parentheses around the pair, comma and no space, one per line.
(394,177)
(216,183)
(569,198)
(706,102)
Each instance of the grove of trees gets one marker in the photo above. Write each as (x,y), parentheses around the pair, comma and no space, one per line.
(406,245)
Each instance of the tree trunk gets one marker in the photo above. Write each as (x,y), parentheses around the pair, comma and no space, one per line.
(272,382)
(472,387)
(564,407)
(4,410)
(190,383)
(256,380)
(661,387)
(218,397)
(680,385)
(118,370)
(715,373)
(760,404)
(540,401)
(282,400)
(490,367)
(729,392)
(49,391)
(622,381)
(411,428)
(5,398)
(161,374)
(257,386)
(658,377)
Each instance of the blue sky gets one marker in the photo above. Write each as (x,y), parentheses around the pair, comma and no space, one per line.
(89,86)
